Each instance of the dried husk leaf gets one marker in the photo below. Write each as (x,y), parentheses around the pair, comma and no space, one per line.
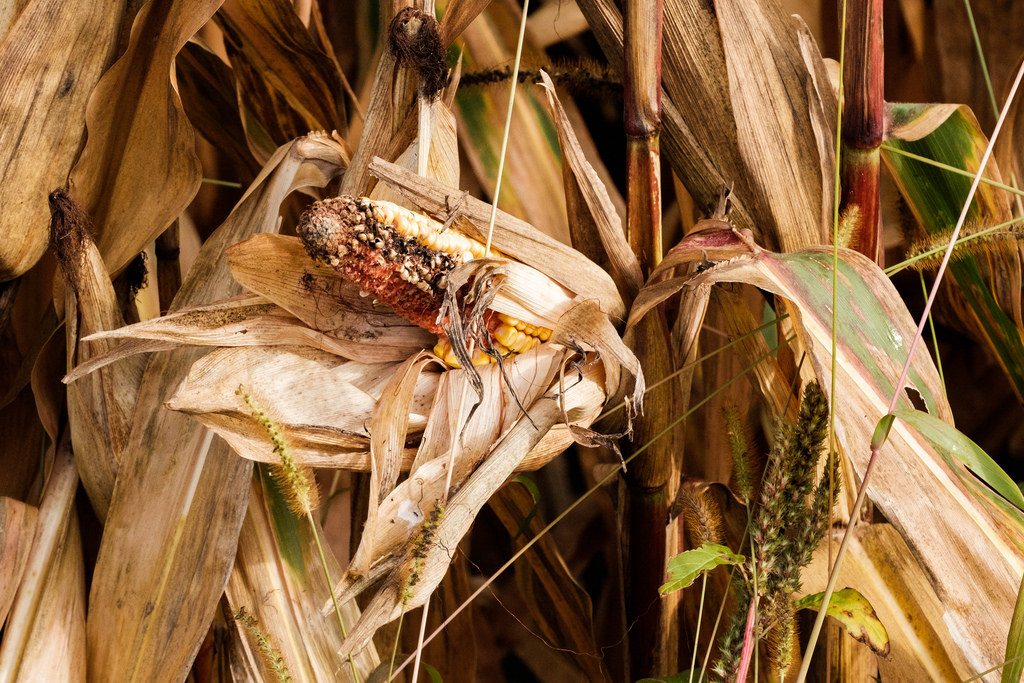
(18,526)
(54,54)
(101,406)
(139,170)
(313,396)
(973,560)
(529,376)
(511,235)
(44,638)
(252,320)
(284,593)
(429,557)
(625,269)
(186,486)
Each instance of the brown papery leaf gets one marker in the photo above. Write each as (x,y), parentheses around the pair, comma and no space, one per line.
(425,553)
(101,406)
(54,54)
(44,637)
(186,487)
(625,269)
(18,525)
(322,404)
(291,85)
(139,168)
(738,112)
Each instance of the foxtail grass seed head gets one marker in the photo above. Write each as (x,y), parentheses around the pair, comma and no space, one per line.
(297,482)
(976,239)
(701,513)
(420,548)
(268,653)
(739,447)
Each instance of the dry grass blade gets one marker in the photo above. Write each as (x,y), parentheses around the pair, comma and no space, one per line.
(140,144)
(44,638)
(190,490)
(624,268)
(54,54)
(18,526)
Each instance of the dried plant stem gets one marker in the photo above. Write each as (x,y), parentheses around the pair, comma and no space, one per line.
(863,123)
(420,641)
(901,383)
(647,542)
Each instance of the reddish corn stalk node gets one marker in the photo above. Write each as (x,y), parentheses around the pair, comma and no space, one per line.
(863,127)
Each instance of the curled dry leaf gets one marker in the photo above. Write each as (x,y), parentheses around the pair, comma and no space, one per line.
(139,169)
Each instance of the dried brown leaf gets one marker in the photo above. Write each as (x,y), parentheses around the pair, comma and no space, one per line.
(44,638)
(624,268)
(18,526)
(139,170)
(51,59)
(286,81)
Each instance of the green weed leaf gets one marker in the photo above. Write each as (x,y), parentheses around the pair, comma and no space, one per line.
(854,612)
(685,567)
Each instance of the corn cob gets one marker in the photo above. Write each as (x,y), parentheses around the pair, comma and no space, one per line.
(402,259)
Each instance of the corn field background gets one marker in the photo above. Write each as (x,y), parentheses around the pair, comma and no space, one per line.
(286,395)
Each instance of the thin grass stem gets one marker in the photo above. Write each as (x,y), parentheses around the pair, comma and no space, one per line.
(981,58)
(935,337)
(327,575)
(700,615)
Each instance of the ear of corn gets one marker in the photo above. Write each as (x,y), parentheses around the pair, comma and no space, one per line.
(403,258)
